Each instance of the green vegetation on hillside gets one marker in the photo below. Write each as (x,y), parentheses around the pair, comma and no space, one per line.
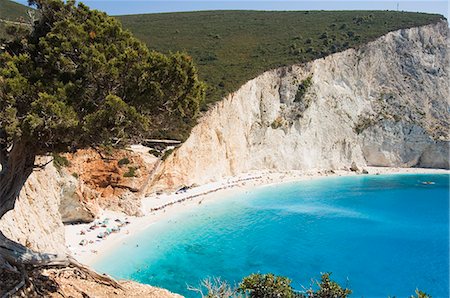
(10,11)
(232,47)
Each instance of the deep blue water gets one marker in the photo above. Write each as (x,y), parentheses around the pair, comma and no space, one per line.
(380,235)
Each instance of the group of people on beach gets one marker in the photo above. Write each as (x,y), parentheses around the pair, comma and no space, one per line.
(185,188)
(108,230)
(120,224)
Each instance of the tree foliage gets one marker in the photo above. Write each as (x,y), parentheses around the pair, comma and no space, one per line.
(272,286)
(79,79)
(267,286)
(76,79)
(420,294)
(327,288)
(215,288)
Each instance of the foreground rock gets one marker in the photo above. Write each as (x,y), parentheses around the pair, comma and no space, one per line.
(115,181)
(70,282)
(74,285)
(384,104)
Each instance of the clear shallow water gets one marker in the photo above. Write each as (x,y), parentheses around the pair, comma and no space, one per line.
(387,234)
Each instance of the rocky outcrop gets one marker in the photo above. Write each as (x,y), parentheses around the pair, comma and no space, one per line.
(35,220)
(73,208)
(384,104)
(113,180)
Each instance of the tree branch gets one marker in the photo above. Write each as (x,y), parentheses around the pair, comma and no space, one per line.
(15,171)
(42,166)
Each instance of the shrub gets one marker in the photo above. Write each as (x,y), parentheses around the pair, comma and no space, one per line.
(209,56)
(277,123)
(131,172)
(167,154)
(420,294)
(215,288)
(328,288)
(123,161)
(324,35)
(75,175)
(105,149)
(60,161)
(266,285)
(303,88)
(333,48)
(155,152)
(272,286)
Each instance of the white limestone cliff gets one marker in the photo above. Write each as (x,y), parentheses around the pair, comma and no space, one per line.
(35,220)
(384,104)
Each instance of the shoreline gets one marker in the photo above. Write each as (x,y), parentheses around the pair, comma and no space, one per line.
(162,207)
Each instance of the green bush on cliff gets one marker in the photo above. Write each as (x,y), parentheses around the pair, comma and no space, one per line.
(60,161)
(131,172)
(303,88)
(123,161)
(327,288)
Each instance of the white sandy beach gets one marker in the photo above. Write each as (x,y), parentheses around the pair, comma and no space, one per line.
(171,204)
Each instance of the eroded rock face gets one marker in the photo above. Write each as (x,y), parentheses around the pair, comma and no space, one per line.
(114,181)
(435,156)
(35,220)
(384,104)
(73,208)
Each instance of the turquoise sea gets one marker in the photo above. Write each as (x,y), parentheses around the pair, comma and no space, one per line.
(379,235)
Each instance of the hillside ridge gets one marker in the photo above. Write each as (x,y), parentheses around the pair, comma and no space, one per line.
(370,106)
(208,35)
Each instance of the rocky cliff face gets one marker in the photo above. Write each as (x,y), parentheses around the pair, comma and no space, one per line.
(76,193)
(114,181)
(384,104)
(35,221)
